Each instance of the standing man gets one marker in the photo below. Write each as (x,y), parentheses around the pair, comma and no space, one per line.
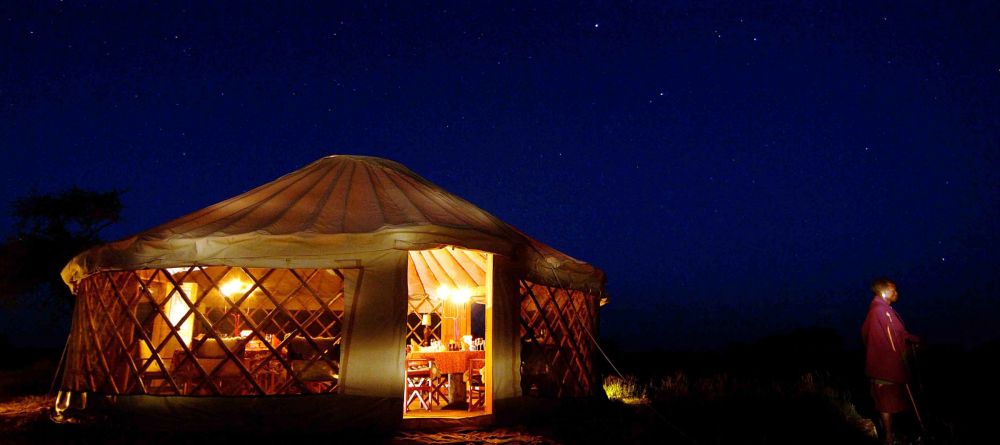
(886,340)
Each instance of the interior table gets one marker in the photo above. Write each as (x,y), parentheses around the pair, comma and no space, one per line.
(454,364)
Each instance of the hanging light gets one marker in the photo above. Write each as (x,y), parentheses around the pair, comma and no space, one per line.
(234,287)
(461,295)
(443,292)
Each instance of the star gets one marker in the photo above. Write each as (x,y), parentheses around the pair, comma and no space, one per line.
(597,25)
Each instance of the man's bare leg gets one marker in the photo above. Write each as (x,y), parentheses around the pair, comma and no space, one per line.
(886,427)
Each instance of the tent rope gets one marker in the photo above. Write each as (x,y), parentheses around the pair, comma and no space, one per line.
(59,367)
(608,359)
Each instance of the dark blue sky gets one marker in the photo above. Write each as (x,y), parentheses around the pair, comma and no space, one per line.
(737,170)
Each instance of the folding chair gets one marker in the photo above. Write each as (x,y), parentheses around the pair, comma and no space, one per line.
(419,377)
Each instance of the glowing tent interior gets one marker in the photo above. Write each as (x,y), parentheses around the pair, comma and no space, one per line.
(350,278)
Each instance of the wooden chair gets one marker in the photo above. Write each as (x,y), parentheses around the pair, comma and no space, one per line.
(183,372)
(475,386)
(439,394)
(419,386)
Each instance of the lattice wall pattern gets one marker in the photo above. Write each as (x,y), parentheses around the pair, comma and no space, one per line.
(556,349)
(207,331)
(416,331)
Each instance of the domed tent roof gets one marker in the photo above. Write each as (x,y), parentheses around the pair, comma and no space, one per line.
(335,210)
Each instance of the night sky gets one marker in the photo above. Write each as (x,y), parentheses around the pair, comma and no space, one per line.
(737,171)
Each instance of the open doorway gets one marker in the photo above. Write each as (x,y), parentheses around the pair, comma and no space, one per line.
(449,333)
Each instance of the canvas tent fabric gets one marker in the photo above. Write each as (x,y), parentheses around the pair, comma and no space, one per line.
(388,232)
(337,209)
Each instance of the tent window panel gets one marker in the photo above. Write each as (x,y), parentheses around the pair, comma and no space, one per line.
(318,324)
(131,335)
(555,351)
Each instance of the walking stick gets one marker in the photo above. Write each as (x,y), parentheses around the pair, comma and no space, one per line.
(915,410)
(913,400)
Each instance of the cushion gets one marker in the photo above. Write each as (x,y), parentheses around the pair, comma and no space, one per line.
(212,349)
(300,349)
(319,371)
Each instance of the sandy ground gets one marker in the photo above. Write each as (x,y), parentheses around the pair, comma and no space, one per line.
(496,436)
(26,420)
(23,413)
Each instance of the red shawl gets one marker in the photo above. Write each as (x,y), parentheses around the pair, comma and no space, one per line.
(885,340)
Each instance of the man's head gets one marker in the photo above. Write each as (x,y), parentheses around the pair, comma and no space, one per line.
(885,288)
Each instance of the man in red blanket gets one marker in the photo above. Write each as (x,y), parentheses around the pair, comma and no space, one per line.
(886,342)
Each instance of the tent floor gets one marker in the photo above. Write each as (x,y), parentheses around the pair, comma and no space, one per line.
(421,419)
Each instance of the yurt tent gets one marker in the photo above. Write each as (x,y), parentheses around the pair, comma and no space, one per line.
(335,294)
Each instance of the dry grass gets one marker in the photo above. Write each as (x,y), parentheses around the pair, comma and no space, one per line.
(627,389)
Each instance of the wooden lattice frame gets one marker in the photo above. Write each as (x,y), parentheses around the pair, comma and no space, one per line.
(109,333)
(560,322)
(414,326)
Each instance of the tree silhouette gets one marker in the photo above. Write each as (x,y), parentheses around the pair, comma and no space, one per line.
(51,229)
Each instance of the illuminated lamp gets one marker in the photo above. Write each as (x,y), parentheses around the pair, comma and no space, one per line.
(443,292)
(234,287)
(461,295)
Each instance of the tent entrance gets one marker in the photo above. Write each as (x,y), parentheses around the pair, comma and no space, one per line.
(449,333)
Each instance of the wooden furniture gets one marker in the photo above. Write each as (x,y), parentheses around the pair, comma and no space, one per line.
(476,387)
(419,374)
(450,362)
(265,367)
(455,364)
(182,368)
